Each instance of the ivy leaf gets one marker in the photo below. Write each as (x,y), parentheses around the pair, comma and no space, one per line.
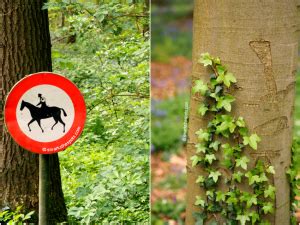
(206,59)
(203,135)
(200,148)
(210,158)
(263,177)
(199,201)
(228,79)
(232,198)
(215,175)
(227,150)
(220,196)
(254,217)
(210,193)
(227,163)
(221,71)
(264,222)
(252,141)
(270,192)
(243,219)
(251,201)
(268,208)
(238,176)
(218,89)
(202,109)
(195,160)
(225,102)
(253,179)
(215,145)
(271,170)
(243,131)
(199,217)
(240,122)
(213,223)
(200,180)
(200,87)
(242,162)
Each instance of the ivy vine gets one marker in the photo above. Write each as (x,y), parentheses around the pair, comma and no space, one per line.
(221,153)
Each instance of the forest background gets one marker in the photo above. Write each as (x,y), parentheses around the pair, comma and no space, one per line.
(103,47)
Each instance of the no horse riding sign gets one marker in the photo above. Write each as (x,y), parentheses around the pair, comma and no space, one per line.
(45,113)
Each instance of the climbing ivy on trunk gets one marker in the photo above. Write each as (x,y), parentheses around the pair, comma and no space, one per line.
(222,155)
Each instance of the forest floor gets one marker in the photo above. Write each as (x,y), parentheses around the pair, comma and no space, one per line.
(169,169)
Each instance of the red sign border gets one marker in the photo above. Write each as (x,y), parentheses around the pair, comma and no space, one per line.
(39,79)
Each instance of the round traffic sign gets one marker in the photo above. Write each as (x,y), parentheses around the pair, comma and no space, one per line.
(45,113)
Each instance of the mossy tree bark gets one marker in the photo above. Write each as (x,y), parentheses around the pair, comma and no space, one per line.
(25,48)
(258,41)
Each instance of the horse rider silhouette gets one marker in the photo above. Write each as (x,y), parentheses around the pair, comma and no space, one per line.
(43,112)
(43,104)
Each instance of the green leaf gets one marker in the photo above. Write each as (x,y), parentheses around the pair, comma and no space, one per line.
(206,59)
(252,178)
(202,109)
(221,71)
(214,175)
(227,150)
(228,79)
(220,196)
(227,163)
(238,176)
(270,192)
(242,162)
(210,193)
(271,170)
(199,217)
(195,160)
(199,201)
(243,219)
(203,135)
(210,158)
(200,87)
(214,145)
(268,208)
(200,179)
(200,148)
(252,141)
(240,122)
(225,102)
(254,217)
(232,198)
(251,200)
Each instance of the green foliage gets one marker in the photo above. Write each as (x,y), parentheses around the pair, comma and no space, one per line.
(171,23)
(170,210)
(221,154)
(167,121)
(294,178)
(12,217)
(105,174)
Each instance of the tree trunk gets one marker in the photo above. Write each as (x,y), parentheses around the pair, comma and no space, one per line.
(258,41)
(25,48)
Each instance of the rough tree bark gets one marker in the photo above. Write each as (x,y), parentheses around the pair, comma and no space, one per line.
(258,41)
(24,49)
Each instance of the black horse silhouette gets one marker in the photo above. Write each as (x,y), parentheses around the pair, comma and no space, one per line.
(37,114)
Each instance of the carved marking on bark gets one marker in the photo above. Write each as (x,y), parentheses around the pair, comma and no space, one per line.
(272,127)
(251,105)
(262,49)
(268,153)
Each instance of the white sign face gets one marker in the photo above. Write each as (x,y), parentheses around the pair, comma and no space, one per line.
(45,113)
